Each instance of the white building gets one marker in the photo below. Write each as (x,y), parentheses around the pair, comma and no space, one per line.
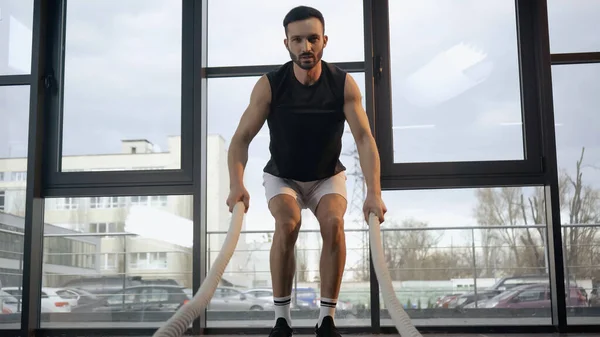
(160,228)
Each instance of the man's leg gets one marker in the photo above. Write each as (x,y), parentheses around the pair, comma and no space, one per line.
(286,212)
(330,213)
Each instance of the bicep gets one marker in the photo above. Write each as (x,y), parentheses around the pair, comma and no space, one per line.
(354,111)
(256,112)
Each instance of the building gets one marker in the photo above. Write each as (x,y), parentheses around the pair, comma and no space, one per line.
(64,254)
(148,236)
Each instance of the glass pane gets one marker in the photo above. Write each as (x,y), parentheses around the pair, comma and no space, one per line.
(455,89)
(465,256)
(16,21)
(14,113)
(249,33)
(120,276)
(575,105)
(250,269)
(573,25)
(122,95)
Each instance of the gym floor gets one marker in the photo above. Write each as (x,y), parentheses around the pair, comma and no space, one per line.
(464,335)
(596,334)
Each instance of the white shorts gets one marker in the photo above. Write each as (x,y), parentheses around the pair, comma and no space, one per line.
(307,194)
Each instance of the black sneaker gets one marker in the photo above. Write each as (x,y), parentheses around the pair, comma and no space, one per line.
(327,328)
(281,329)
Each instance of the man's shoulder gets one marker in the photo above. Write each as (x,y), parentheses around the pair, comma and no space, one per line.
(278,71)
(334,69)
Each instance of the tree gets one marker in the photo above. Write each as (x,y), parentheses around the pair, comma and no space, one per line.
(302,265)
(583,205)
(502,207)
(509,208)
(411,253)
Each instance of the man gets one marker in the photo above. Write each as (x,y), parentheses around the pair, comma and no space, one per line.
(305,103)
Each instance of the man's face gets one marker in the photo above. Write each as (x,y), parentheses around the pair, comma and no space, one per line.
(305,42)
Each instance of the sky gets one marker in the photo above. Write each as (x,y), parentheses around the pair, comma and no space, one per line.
(455,84)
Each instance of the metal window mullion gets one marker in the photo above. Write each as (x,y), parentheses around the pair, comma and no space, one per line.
(200,113)
(259,70)
(368,22)
(529,83)
(10,80)
(539,21)
(575,58)
(44,15)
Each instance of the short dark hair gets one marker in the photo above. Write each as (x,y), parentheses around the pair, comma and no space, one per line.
(302,13)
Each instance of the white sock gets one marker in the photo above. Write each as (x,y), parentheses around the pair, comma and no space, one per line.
(282,308)
(327,309)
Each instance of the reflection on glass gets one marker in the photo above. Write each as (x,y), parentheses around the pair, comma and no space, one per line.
(571,25)
(116,261)
(122,95)
(468,256)
(14,112)
(578,148)
(16,17)
(246,296)
(455,89)
(237,38)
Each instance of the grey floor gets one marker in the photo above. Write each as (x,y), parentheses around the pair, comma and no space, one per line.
(461,335)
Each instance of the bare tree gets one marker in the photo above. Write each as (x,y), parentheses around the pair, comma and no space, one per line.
(412,253)
(583,202)
(302,266)
(509,208)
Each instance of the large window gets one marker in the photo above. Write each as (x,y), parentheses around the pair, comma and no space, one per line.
(122,85)
(456,89)
(244,33)
(578,148)
(14,111)
(127,105)
(136,259)
(572,26)
(249,267)
(468,256)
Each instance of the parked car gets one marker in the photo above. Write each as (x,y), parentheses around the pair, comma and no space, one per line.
(103,285)
(83,297)
(446,300)
(140,298)
(594,299)
(465,300)
(233,299)
(508,283)
(52,301)
(534,296)
(306,297)
(8,303)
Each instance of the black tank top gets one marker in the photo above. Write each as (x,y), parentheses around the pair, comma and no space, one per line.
(306,124)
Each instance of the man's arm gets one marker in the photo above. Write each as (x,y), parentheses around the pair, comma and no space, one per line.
(367,148)
(365,143)
(251,122)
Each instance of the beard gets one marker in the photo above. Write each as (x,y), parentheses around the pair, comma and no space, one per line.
(306,63)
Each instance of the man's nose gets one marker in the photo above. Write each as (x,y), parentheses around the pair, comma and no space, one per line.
(306,46)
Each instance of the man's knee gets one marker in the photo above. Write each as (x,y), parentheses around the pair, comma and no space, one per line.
(332,228)
(330,214)
(286,212)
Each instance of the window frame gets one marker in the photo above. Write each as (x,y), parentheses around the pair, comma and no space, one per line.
(446,174)
(78,183)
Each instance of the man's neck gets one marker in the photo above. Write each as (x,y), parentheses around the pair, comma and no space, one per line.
(308,77)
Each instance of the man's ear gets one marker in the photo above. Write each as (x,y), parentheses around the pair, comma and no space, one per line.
(325,39)
(285,43)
